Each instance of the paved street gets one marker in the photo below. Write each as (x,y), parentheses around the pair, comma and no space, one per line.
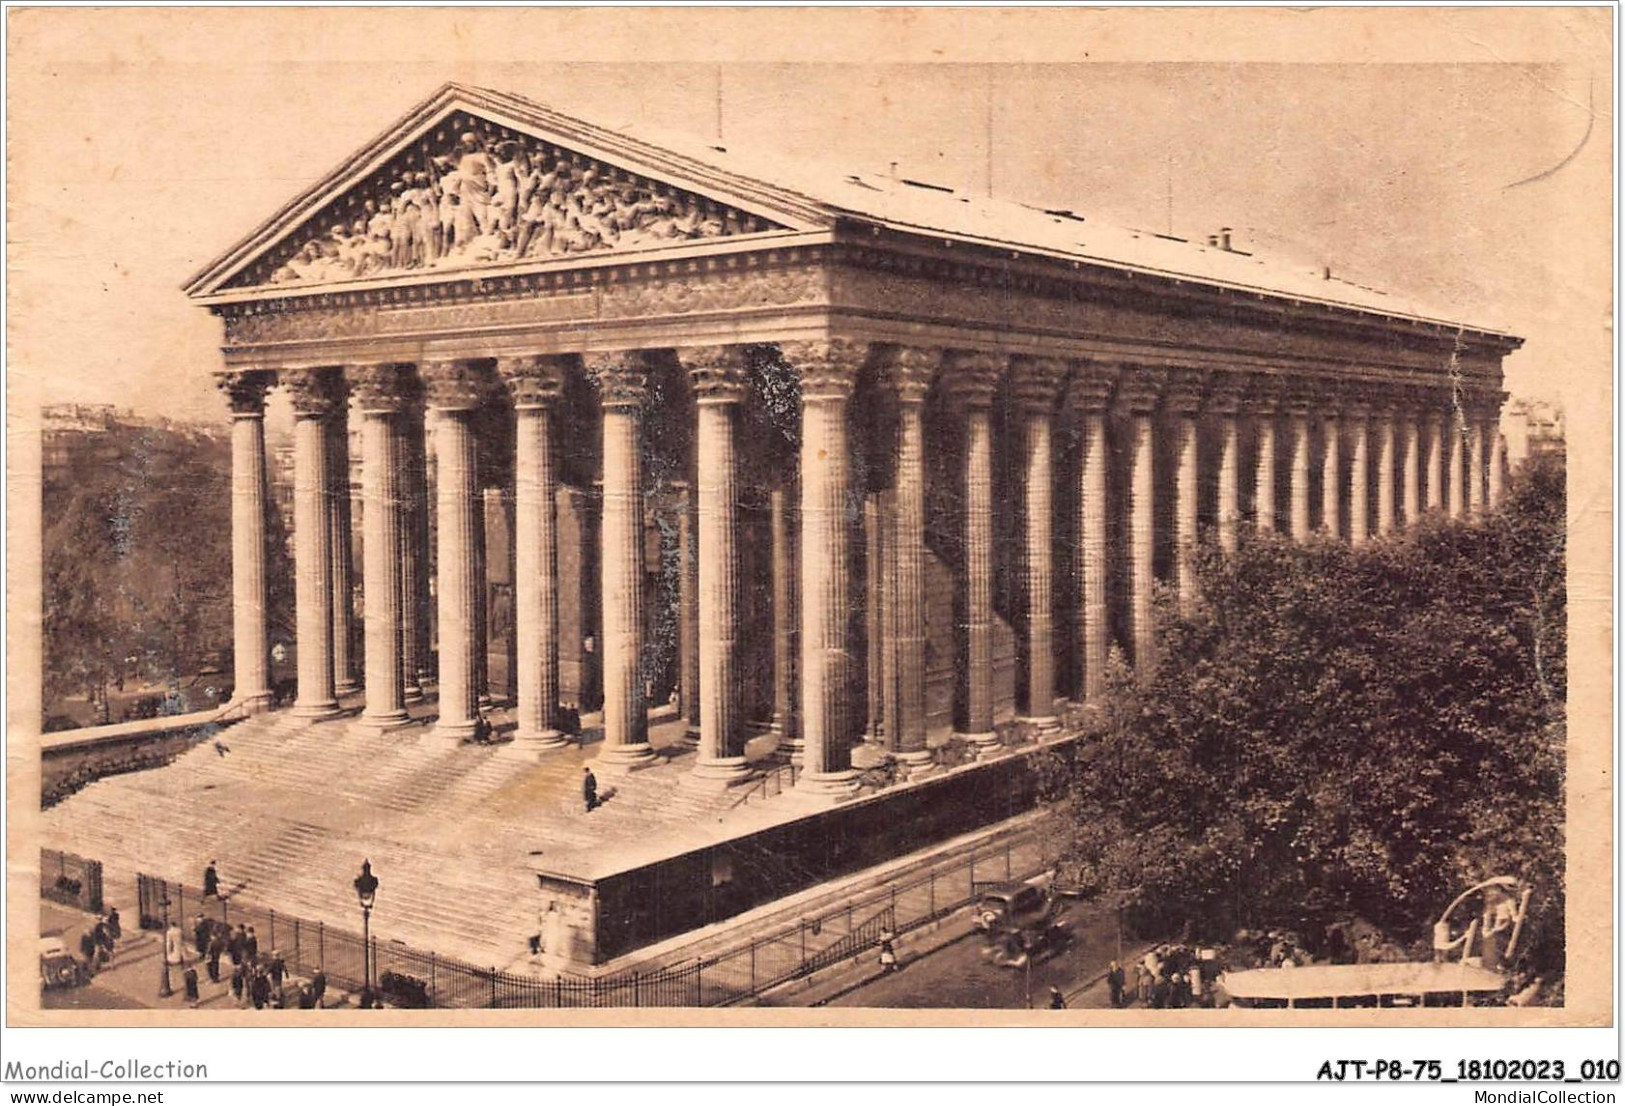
(960,975)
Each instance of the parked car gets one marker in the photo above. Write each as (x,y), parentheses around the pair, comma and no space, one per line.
(57,966)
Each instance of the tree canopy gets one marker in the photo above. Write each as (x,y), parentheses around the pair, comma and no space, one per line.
(1337,731)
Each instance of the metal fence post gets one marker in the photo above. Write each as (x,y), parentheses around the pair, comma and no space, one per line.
(321,945)
(434,992)
(931,891)
(273,929)
(558,992)
(1007,862)
(297,958)
(636,998)
(493,985)
(753,967)
(973,873)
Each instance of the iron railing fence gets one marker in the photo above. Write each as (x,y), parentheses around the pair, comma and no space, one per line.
(70,879)
(412,977)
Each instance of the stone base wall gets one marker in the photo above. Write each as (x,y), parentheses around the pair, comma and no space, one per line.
(620,913)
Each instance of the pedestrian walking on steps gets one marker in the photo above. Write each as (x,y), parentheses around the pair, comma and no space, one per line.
(211,881)
(113,927)
(589,789)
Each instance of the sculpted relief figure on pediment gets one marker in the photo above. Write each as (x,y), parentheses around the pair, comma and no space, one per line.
(475,193)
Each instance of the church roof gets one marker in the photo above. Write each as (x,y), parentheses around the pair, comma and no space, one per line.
(766,194)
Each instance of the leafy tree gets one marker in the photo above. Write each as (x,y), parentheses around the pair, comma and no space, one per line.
(1338,731)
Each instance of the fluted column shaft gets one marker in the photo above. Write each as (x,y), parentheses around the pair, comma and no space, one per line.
(457,506)
(1458,479)
(482,602)
(828,372)
(384,536)
(414,555)
(1183,402)
(1035,383)
(908,599)
(1298,512)
(719,385)
(1142,538)
(1331,476)
(1435,464)
(535,384)
(1475,465)
(784,623)
(688,617)
(1359,479)
(622,382)
(251,661)
(1092,559)
(978,582)
(338,506)
(874,599)
(1410,499)
(1229,506)
(1385,472)
(1264,474)
(1498,463)
(313,399)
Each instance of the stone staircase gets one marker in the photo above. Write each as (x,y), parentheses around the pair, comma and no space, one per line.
(289,811)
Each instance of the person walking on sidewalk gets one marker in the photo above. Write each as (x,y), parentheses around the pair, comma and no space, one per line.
(1057,1001)
(589,789)
(217,948)
(211,881)
(1114,980)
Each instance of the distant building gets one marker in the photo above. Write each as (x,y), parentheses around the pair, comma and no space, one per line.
(1532,427)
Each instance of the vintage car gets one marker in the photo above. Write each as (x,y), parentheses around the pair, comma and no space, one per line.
(57,966)
(1022,922)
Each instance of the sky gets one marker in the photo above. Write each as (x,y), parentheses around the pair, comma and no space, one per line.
(1468,171)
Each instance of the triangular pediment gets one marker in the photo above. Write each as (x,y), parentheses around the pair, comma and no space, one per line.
(473,180)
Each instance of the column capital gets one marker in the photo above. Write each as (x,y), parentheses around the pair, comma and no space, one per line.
(385,388)
(1035,382)
(1185,391)
(911,369)
(719,373)
(1226,392)
(315,393)
(245,391)
(621,376)
(533,380)
(1264,394)
(1089,389)
(973,377)
(1298,395)
(455,385)
(828,367)
(1140,389)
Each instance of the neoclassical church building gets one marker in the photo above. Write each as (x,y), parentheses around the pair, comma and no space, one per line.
(796,466)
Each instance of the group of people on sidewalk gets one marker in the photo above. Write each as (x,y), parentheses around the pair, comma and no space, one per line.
(258,978)
(97,942)
(1166,979)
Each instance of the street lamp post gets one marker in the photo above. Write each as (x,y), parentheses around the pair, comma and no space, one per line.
(165,989)
(366,890)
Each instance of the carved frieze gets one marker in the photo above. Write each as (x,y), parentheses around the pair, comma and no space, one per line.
(475,193)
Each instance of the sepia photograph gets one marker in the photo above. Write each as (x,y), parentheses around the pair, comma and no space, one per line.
(952,517)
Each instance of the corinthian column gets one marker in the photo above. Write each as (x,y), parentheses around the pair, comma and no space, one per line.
(1438,427)
(1298,426)
(313,394)
(1498,464)
(1331,475)
(1385,469)
(911,371)
(1410,492)
(1263,403)
(1224,401)
(381,400)
(535,383)
(688,617)
(251,661)
(1359,474)
(828,372)
(1035,384)
(1458,479)
(455,390)
(1475,462)
(784,623)
(972,377)
(414,552)
(1137,395)
(719,377)
(623,386)
(338,508)
(1181,401)
(1088,394)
